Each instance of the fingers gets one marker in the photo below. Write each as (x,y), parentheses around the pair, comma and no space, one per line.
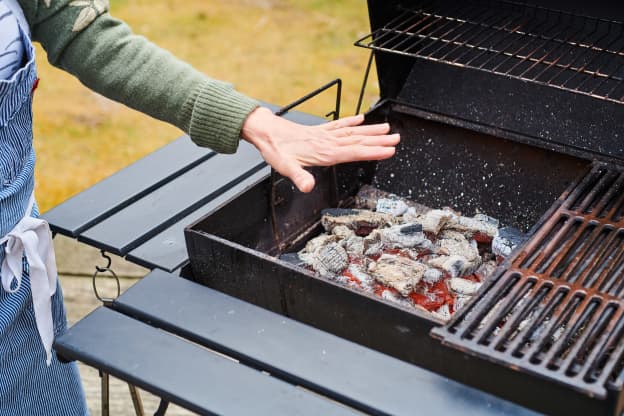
(301,178)
(344,122)
(362,153)
(370,140)
(367,130)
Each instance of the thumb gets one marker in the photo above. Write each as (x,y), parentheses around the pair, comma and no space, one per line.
(303,180)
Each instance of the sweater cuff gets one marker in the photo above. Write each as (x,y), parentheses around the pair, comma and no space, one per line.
(214,115)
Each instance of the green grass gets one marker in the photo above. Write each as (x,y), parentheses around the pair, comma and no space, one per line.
(273,50)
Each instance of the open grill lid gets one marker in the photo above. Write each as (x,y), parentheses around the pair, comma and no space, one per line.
(543,75)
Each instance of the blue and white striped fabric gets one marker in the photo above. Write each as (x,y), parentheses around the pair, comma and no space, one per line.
(28,386)
(11,45)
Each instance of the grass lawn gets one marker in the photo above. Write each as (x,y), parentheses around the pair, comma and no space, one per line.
(273,50)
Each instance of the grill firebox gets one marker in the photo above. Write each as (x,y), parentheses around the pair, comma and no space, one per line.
(234,249)
(504,108)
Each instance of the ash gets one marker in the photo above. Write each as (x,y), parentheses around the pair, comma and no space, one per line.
(433,260)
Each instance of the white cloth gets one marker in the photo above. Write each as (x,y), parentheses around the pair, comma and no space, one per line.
(11,45)
(32,238)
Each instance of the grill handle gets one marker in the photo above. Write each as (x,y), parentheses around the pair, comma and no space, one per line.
(335,114)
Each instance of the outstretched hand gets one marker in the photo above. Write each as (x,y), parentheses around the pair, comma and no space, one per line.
(288,147)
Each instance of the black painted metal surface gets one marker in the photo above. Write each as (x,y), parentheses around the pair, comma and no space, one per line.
(130,227)
(440,163)
(125,187)
(552,71)
(181,372)
(331,366)
(167,250)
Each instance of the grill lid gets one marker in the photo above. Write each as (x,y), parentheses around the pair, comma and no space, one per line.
(544,73)
(558,310)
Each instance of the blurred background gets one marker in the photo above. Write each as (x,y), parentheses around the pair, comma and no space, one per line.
(272,50)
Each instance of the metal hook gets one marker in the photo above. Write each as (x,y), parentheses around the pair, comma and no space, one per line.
(107,268)
(108,264)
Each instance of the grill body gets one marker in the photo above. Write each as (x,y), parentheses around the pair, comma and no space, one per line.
(503,136)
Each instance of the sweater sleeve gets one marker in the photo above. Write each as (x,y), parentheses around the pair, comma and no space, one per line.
(80,37)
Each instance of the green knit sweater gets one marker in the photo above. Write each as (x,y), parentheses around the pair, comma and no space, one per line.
(80,37)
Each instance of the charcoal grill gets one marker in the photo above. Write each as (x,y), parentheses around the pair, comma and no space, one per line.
(511,109)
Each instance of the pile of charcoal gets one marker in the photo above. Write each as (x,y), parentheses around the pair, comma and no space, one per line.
(434,260)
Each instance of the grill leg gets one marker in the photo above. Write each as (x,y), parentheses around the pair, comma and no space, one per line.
(162,408)
(105,394)
(136,400)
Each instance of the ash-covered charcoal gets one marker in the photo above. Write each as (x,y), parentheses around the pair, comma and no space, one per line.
(395,297)
(354,245)
(454,265)
(358,220)
(316,243)
(432,275)
(342,232)
(507,239)
(395,207)
(329,260)
(480,227)
(398,272)
(359,273)
(405,236)
(432,221)
(458,256)
(373,244)
(368,197)
(443,312)
(411,255)
(463,286)
(345,281)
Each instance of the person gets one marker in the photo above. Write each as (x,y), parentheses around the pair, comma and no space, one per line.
(81,37)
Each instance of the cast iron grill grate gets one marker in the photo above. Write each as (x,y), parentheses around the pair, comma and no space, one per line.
(558,310)
(549,47)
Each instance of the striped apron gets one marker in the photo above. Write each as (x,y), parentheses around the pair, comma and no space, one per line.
(32,380)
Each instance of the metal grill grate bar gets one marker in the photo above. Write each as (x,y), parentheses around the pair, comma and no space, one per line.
(513,326)
(610,199)
(576,324)
(548,47)
(485,333)
(567,245)
(547,307)
(581,249)
(597,261)
(589,340)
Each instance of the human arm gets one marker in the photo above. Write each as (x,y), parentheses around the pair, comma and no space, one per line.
(82,38)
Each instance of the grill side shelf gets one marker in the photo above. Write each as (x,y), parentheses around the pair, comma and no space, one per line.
(557,312)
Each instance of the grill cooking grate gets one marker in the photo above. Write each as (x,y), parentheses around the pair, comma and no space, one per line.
(558,311)
(548,47)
